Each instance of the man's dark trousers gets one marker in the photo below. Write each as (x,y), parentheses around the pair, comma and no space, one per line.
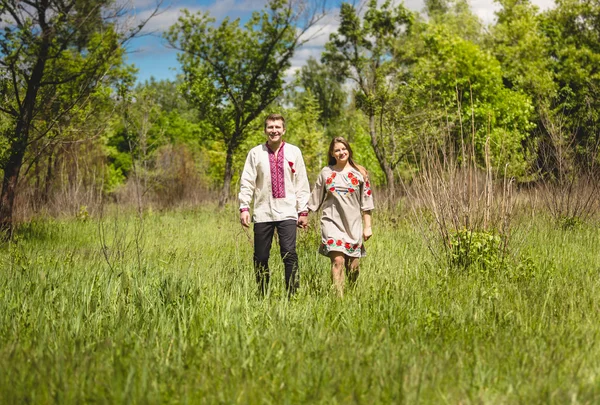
(263,238)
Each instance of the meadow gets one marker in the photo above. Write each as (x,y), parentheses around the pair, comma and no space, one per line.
(165,310)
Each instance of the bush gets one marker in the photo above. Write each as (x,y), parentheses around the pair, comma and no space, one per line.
(471,249)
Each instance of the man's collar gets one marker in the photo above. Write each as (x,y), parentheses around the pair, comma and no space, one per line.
(271,150)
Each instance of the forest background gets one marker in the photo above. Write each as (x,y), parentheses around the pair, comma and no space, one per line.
(398,84)
(126,277)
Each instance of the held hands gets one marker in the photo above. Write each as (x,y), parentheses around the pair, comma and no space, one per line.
(245,219)
(302,222)
(367,233)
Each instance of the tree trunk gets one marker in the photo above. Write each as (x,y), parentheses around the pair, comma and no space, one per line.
(9,187)
(227,178)
(48,178)
(16,150)
(389,178)
(380,155)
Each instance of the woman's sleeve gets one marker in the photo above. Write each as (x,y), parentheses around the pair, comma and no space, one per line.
(366,196)
(318,193)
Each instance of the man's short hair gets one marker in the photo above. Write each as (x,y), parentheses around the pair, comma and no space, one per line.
(275,117)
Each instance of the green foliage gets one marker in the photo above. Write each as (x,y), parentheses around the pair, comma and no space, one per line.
(569,222)
(232,73)
(478,250)
(325,84)
(466,82)
(55,56)
(168,96)
(415,81)
(572,33)
(153,118)
(520,46)
(457,17)
(5,127)
(487,253)
(119,153)
(113,177)
(529,270)
(83,215)
(72,62)
(363,50)
(306,133)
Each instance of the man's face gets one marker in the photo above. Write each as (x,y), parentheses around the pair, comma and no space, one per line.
(274,130)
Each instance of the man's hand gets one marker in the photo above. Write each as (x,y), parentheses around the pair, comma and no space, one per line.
(245,218)
(367,233)
(303,221)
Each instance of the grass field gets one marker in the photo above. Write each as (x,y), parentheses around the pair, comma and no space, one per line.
(174,318)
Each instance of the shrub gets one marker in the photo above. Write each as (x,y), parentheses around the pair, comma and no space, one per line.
(472,249)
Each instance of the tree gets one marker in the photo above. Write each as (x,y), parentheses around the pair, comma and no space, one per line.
(573,33)
(365,52)
(456,16)
(67,163)
(156,147)
(54,54)
(466,82)
(326,85)
(233,72)
(307,134)
(518,43)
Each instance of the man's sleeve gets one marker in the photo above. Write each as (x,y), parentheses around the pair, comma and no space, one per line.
(247,182)
(302,186)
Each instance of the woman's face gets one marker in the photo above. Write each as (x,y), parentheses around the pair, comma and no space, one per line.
(340,153)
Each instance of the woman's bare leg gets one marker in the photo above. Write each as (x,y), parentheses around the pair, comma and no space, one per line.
(352,268)
(337,271)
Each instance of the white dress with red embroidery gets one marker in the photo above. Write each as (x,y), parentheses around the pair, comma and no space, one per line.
(343,196)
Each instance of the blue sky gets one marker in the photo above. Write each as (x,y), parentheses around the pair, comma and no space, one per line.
(151,53)
(152,56)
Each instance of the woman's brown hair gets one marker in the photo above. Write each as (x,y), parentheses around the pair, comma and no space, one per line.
(332,161)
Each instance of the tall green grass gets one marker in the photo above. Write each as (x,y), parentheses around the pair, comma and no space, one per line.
(175,318)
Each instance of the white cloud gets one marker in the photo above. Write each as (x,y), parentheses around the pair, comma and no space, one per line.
(415,5)
(544,4)
(163,20)
(316,37)
(486,9)
(303,54)
(234,9)
(318,34)
(171,10)
(144,4)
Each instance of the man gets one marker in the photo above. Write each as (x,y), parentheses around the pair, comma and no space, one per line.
(275,177)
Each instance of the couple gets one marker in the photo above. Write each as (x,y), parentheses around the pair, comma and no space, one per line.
(275,177)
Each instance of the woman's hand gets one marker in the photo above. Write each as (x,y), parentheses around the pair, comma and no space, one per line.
(367,233)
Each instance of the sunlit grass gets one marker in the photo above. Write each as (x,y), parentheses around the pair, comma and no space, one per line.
(175,318)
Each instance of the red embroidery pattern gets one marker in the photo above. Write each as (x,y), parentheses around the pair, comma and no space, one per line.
(292,166)
(367,188)
(277,174)
(350,178)
(349,247)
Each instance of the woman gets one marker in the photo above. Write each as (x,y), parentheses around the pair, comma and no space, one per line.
(344,192)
